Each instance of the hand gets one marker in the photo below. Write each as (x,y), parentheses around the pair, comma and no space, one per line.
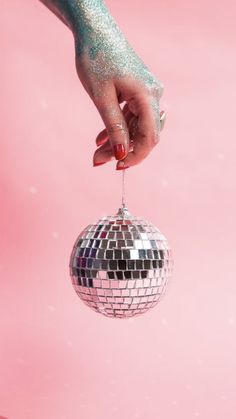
(103,140)
(112,73)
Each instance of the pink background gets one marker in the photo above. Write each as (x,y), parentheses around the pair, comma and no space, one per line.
(58,358)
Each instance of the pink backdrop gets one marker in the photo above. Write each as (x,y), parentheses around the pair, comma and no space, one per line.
(59,359)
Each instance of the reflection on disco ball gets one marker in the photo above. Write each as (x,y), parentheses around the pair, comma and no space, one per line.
(120,265)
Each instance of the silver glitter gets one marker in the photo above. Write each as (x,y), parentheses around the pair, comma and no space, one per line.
(98,36)
(102,50)
(110,55)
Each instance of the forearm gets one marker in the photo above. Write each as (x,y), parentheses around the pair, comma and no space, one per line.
(83,17)
(72,11)
(95,32)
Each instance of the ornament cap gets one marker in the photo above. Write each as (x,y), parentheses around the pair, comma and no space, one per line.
(123,212)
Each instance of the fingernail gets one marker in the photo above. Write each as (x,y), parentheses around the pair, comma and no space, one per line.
(119,151)
(98,143)
(98,163)
(121,166)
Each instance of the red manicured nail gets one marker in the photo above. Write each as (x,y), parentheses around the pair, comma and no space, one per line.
(98,143)
(98,163)
(119,151)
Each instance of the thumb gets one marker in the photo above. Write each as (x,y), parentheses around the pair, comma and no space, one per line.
(117,130)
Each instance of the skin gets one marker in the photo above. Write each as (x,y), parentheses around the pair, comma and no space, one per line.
(113,75)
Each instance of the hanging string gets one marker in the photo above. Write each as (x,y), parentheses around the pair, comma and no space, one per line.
(123,189)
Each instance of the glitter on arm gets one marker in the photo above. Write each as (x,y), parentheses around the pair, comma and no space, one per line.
(112,72)
(97,35)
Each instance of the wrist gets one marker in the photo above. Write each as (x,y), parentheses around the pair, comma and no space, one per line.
(93,26)
(86,15)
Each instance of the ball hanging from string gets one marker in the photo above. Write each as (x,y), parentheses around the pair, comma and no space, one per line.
(121,264)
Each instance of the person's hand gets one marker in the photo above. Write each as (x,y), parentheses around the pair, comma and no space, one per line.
(112,73)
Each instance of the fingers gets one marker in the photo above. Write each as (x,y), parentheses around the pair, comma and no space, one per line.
(103,154)
(115,123)
(147,130)
(132,131)
(102,137)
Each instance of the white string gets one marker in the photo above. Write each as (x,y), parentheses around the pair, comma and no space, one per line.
(123,188)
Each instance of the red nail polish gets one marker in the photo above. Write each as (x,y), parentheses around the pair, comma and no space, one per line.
(119,151)
(122,167)
(98,143)
(98,163)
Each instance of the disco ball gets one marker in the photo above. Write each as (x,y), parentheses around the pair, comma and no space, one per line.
(120,265)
